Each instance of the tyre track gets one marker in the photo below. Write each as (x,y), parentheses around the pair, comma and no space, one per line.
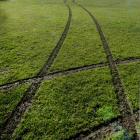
(96,132)
(13,120)
(127,60)
(14,84)
(101,130)
(124,105)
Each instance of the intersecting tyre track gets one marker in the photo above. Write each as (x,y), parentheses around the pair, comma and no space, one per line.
(15,117)
(11,85)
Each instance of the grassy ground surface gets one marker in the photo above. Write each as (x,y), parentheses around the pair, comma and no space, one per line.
(29,32)
(120,22)
(82,46)
(9,100)
(65,106)
(130,75)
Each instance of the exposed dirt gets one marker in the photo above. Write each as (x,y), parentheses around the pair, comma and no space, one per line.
(14,84)
(127,60)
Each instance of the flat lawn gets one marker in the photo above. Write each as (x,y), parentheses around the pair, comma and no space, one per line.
(67,105)
(82,45)
(120,22)
(9,100)
(130,75)
(29,30)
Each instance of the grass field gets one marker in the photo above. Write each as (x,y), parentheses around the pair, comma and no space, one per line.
(65,106)
(55,54)
(120,23)
(27,28)
(79,43)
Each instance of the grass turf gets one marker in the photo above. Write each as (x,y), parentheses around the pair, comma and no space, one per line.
(82,45)
(67,105)
(9,100)
(130,75)
(29,32)
(120,22)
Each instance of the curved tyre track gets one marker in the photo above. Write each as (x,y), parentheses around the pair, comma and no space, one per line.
(13,120)
(124,106)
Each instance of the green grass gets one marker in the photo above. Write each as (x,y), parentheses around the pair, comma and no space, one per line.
(29,31)
(130,75)
(67,105)
(82,45)
(64,106)
(120,135)
(120,22)
(9,100)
